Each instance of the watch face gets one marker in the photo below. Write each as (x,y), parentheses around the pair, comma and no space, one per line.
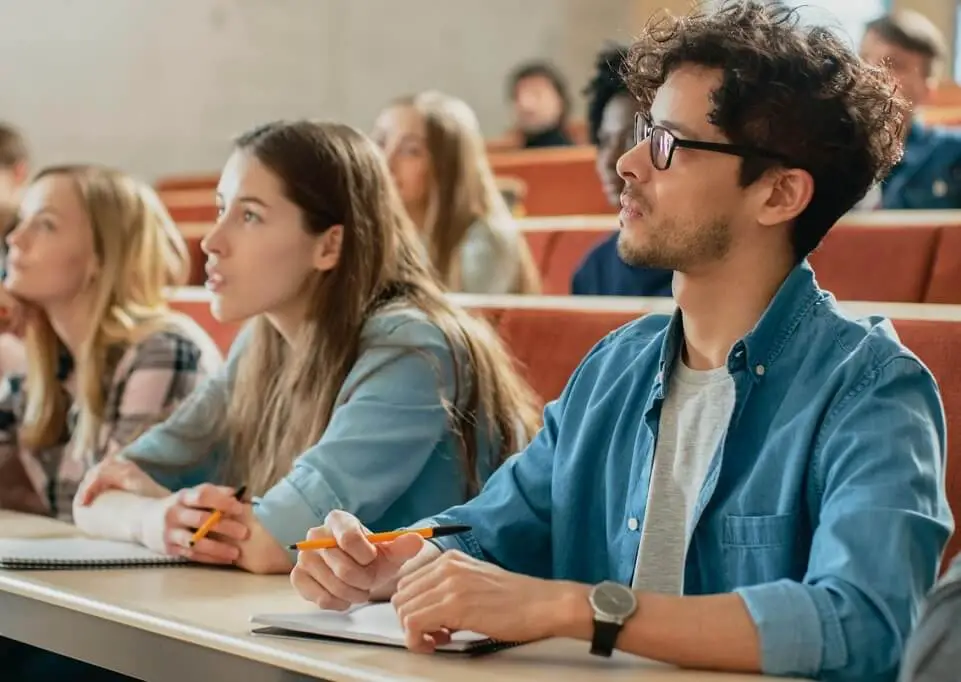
(613,600)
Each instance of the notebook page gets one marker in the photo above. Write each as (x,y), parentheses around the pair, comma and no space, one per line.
(374,623)
(79,551)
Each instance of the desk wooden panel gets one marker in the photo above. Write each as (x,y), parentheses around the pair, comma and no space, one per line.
(192,623)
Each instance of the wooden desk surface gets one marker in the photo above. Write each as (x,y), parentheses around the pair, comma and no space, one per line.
(211,608)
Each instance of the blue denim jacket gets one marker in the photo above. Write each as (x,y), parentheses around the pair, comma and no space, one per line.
(389,454)
(824,507)
(929,174)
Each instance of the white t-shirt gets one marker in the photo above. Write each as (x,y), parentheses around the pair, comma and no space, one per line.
(694,417)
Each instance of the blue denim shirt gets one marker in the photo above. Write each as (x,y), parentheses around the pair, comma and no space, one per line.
(929,174)
(389,454)
(824,507)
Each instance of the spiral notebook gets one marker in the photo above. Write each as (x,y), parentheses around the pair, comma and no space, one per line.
(78,553)
(365,624)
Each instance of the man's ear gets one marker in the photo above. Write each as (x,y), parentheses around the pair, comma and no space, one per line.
(789,194)
(327,249)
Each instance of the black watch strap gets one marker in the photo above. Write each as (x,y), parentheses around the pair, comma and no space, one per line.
(605,637)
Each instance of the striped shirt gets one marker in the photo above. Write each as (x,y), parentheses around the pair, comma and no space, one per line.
(148,380)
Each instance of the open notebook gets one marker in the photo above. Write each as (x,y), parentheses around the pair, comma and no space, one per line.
(67,553)
(366,623)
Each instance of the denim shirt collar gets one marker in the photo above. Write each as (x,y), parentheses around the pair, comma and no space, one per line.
(760,347)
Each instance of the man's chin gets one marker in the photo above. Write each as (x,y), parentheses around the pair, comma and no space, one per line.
(635,254)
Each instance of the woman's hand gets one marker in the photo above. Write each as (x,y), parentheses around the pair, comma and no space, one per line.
(115,473)
(170,523)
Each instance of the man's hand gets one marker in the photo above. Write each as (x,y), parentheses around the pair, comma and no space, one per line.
(457,592)
(356,571)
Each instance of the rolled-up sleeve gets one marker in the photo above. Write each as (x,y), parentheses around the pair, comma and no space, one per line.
(883,524)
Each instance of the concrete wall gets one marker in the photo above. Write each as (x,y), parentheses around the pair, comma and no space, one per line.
(160,86)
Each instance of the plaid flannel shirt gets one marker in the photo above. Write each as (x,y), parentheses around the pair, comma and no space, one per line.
(148,381)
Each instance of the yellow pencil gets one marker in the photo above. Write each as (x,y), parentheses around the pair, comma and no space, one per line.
(214,519)
(433,532)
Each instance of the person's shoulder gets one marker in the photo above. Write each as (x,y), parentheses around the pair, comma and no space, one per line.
(402,325)
(600,257)
(178,343)
(945,141)
(866,345)
(639,340)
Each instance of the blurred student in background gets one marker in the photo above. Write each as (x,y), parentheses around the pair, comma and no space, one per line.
(610,114)
(929,174)
(356,386)
(541,102)
(14,170)
(435,152)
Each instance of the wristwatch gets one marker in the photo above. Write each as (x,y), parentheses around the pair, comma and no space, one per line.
(613,604)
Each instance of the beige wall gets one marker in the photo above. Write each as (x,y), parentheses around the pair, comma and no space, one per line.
(942,13)
(159,86)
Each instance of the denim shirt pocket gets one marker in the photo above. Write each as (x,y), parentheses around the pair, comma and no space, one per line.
(759,549)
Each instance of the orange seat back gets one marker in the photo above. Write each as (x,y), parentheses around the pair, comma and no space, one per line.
(944,285)
(549,344)
(560,181)
(876,263)
(938,344)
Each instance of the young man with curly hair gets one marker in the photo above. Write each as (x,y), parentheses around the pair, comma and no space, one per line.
(754,483)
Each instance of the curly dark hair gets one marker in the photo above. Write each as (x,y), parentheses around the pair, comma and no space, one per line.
(607,83)
(798,91)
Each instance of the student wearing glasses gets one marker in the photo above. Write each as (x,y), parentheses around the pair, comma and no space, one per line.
(754,483)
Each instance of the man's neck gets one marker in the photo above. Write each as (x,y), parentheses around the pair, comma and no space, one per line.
(722,304)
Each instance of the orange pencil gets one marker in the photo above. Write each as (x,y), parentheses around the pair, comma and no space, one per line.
(434,532)
(214,519)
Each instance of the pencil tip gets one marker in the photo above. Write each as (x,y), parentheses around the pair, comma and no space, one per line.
(291,546)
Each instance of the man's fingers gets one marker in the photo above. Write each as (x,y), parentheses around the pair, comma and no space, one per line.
(348,570)
(402,549)
(312,591)
(322,574)
(351,536)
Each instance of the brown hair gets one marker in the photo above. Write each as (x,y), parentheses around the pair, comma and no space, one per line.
(285,394)
(13,148)
(914,32)
(465,190)
(141,252)
(799,92)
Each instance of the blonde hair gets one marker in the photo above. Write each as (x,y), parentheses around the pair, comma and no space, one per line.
(284,394)
(465,190)
(140,252)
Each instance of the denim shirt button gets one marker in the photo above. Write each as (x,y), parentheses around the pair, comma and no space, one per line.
(632,523)
(759,370)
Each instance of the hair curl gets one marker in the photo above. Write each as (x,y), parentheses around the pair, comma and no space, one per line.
(795,90)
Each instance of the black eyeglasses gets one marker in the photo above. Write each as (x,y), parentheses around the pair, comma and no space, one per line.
(664,142)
